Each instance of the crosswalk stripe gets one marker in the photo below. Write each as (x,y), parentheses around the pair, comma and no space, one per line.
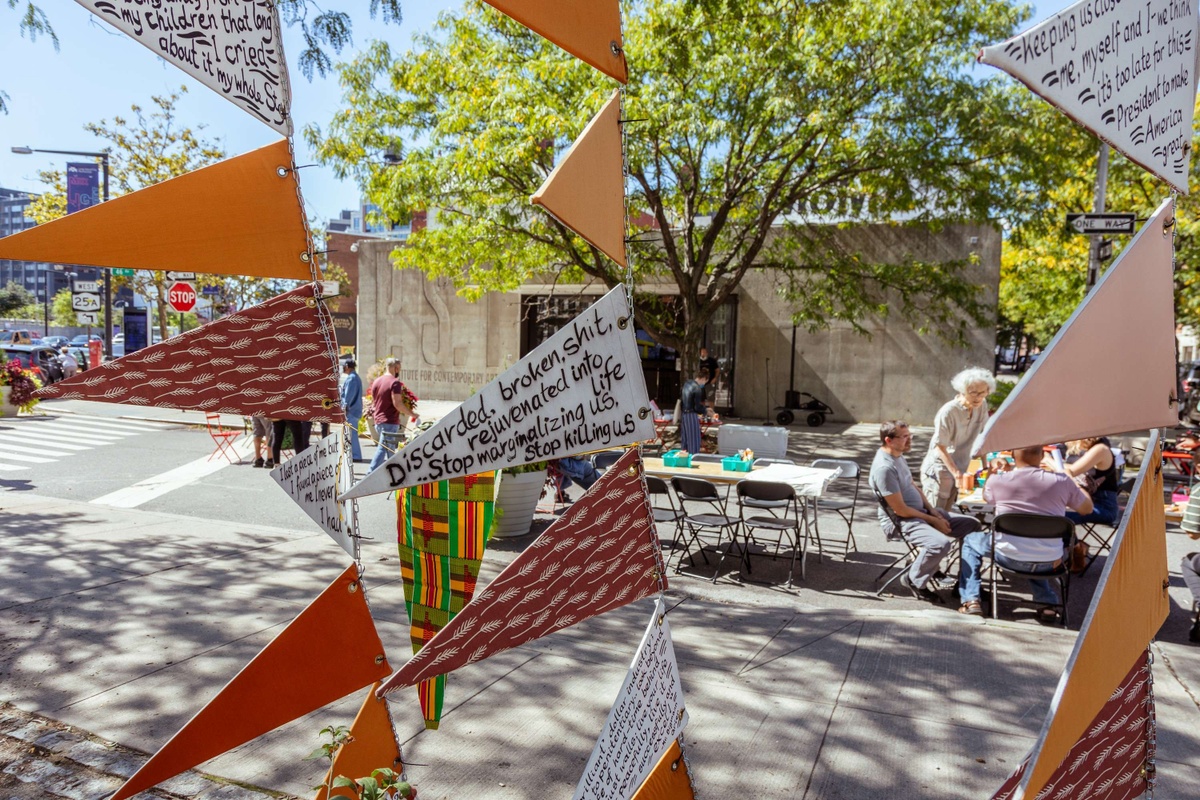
(31,459)
(158,485)
(10,468)
(123,426)
(80,430)
(48,441)
(41,451)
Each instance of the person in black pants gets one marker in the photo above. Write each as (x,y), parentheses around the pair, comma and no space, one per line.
(299,436)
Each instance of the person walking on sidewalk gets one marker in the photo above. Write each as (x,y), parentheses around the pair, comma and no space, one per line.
(391,410)
(932,530)
(260,429)
(352,401)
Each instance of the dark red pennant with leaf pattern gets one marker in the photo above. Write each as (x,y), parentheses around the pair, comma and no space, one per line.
(271,360)
(1108,761)
(600,555)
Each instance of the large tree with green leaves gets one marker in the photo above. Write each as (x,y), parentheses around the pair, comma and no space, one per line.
(739,112)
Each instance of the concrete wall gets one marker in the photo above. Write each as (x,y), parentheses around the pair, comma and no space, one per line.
(448,347)
(897,372)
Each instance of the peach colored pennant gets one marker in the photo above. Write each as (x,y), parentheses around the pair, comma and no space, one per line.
(372,745)
(590,30)
(271,360)
(241,216)
(600,555)
(1128,323)
(670,779)
(586,191)
(1127,610)
(328,651)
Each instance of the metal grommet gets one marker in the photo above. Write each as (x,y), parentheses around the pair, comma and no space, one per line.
(643,412)
(623,323)
(311,302)
(616,48)
(353,587)
(675,765)
(681,713)
(282,171)
(379,659)
(305,257)
(633,470)
(661,617)
(326,403)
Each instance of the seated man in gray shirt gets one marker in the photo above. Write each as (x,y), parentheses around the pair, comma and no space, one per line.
(933,531)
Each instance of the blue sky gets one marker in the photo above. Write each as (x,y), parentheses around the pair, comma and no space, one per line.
(99,73)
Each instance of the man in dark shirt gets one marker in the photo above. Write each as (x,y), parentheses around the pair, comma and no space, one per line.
(390,410)
(691,406)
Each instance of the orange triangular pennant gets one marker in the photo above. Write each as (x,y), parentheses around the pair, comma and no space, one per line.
(1129,606)
(586,191)
(599,556)
(590,30)
(670,779)
(328,651)
(372,745)
(1138,288)
(239,217)
(271,360)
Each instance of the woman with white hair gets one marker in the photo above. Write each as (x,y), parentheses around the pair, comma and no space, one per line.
(955,428)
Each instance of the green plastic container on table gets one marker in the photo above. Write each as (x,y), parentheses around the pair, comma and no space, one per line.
(735,464)
(672,458)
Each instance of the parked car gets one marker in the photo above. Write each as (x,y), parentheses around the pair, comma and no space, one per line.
(42,361)
(18,336)
(55,341)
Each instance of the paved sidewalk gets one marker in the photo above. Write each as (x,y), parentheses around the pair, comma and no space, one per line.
(123,623)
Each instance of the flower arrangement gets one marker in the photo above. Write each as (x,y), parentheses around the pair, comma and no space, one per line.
(22,385)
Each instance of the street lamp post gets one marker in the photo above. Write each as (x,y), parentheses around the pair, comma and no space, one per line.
(108,334)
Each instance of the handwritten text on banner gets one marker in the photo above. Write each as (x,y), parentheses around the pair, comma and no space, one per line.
(1125,70)
(313,479)
(647,716)
(231,46)
(582,389)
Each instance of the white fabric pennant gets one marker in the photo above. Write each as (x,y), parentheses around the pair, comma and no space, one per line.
(646,718)
(1125,71)
(233,47)
(313,478)
(582,389)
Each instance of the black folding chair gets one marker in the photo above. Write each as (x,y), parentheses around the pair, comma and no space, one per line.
(605,459)
(779,501)
(840,502)
(696,491)
(1034,526)
(670,515)
(904,561)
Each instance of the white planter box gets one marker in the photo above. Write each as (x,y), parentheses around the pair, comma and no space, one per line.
(518,498)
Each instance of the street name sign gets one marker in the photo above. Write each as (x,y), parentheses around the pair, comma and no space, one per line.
(123,273)
(210,290)
(87,287)
(182,296)
(176,277)
(1102,223)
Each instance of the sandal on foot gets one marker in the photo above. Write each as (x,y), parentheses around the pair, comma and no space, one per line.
(1049,615)
(971,607)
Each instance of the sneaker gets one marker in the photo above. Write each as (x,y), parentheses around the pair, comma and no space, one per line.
(270,464)
(920,593)
(942,582)
(258,462)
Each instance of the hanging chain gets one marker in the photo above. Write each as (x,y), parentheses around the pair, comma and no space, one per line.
(1151,727)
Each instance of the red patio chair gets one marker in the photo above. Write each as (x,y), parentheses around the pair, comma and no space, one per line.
(224,439)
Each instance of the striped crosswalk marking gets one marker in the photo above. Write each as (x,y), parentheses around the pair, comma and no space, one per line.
(45,440)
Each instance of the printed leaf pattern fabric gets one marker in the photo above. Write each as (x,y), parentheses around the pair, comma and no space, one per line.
(271,360)
(443,530)
(1107,763)
(600,555)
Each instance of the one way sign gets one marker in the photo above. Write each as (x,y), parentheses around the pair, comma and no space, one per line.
(1101,223)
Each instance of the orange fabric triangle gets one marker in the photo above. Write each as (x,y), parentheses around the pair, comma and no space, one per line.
(237,217)
(586,191)
(372,745)
(1128,319)
(328,651)
(600,555)
(590,30)
(1129,606)
(271,360)
(669,780)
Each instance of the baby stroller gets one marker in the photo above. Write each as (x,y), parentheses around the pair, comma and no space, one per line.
(804,403)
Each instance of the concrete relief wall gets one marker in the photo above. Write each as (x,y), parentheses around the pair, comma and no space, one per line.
(448,347)
(897,372)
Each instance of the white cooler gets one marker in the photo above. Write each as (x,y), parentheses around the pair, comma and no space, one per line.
(765,441)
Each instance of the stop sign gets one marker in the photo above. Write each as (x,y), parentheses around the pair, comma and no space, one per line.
(182,296)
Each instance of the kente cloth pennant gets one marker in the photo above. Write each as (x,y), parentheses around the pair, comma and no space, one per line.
(601,554)
(271,360)
(590,30)
(371,745)
(329,651)
(586,191)
(1138,287)
(233,47)
(443,528)
(644,722)
(1108,761)
(1124,71)
(582,389)
(242,216)
(670,779)
(314,478)
(1129,606)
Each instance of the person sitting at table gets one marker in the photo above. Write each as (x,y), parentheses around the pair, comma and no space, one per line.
(691,408)
(932,530)
(1093,465)
(1027,489)
(955,428)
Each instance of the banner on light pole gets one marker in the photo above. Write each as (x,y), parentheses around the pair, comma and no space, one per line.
(83,186)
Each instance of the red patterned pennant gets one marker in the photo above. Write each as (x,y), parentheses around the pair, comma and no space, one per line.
(599,556)
(271,360)
(1107,762)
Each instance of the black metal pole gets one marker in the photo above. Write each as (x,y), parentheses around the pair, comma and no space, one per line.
(792,369)
(108,309)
